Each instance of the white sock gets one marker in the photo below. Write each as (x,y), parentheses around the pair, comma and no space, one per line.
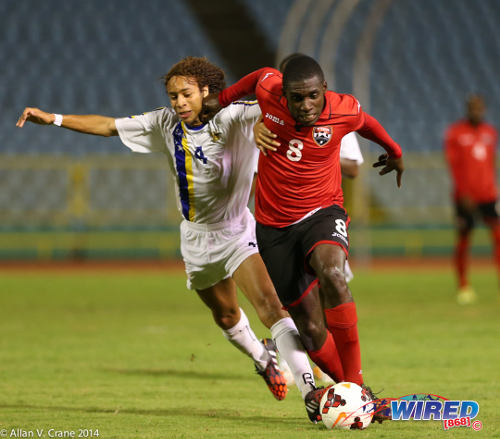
(291,349)
(242,336)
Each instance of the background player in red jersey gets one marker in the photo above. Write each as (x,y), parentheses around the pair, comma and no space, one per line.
(302,228)
(470,151)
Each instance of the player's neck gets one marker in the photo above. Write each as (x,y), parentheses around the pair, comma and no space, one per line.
(195,126)
(475,123)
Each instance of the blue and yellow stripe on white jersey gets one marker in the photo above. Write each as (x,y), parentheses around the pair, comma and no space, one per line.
(184,166)
(254,102)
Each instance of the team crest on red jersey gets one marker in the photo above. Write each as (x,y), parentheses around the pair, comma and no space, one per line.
(322,135)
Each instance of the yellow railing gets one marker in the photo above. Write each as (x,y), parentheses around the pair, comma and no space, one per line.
(65,191)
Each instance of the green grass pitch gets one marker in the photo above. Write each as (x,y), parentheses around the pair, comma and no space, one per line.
(132,354)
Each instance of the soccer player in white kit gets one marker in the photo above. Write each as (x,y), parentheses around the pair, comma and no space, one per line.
(213,166)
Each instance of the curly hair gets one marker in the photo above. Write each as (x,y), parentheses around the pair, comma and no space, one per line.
(202,70)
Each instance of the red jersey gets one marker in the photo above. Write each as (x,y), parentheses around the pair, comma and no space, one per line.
(304,173)
(470,152)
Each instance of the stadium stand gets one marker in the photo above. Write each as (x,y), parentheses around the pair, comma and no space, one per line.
(410,63)
(427,56)
(84,57)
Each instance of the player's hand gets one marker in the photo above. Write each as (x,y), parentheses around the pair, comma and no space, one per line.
(210,107)
(35,115)
(264,138)
(390,164)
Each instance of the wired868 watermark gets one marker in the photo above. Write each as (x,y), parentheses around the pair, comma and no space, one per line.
(49,432)
(427,407)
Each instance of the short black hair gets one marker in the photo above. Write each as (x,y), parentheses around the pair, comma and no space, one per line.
(286,59)
(301,67)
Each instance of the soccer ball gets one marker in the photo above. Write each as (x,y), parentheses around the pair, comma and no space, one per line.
(347,406)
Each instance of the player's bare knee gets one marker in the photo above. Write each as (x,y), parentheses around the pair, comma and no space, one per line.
(226,319)
(333,276)
(312,330)
(333,287)
(270,312)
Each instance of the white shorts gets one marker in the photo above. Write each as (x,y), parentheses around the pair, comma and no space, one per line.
(213,252)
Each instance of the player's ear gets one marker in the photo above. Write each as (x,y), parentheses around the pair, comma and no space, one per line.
(204,91)
(325,86)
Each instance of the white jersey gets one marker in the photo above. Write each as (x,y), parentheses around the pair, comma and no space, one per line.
(212,165)
(349,148)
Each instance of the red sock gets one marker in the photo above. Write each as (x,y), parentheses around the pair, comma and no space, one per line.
(461,251)
(328,360)
(342,323)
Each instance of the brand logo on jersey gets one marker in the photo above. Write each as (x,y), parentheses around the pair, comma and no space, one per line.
(322,135)
(275,119)
(215,136)
(266,76)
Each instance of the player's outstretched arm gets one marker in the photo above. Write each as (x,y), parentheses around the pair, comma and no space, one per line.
(392,161)
(264,137)
(214,102)
(391,164)
(244,87)
(88,124)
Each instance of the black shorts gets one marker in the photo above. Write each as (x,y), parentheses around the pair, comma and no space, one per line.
(286,250)
(467,219)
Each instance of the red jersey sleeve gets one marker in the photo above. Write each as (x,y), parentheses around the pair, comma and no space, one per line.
(374,131)
(244,87)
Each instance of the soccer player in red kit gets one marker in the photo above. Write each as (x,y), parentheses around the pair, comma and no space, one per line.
(470,151)
(302,228)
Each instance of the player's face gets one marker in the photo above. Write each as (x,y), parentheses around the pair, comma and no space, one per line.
(186,98)
(306,99)
(475,109)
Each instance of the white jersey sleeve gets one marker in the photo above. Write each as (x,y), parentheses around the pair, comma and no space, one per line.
(349,148)
(248,113)
(240,117)
(143,133)
(242,113)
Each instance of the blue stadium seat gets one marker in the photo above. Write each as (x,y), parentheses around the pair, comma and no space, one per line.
(93,56)
(428,55)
